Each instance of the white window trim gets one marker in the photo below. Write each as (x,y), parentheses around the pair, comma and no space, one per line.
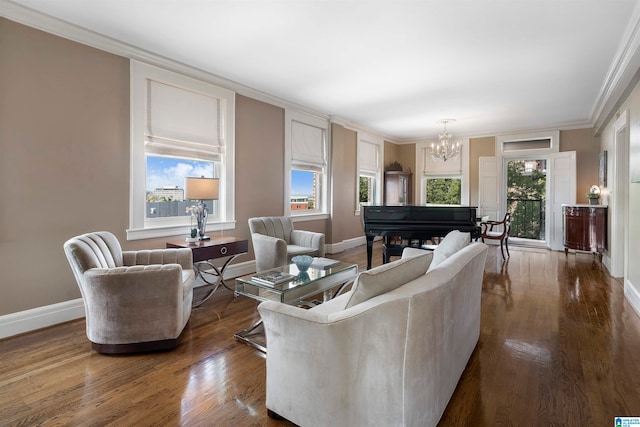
(422,149)
(325,197)
(363,137)
(552,135)
(139,226)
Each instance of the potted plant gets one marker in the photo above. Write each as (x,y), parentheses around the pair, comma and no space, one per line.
(593,195)
(593,198)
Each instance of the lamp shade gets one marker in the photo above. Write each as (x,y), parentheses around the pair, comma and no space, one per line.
(201,188)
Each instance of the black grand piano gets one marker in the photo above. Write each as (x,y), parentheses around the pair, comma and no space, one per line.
(417,222)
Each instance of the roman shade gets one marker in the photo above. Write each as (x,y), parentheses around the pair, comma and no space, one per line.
(307,146)
(368,157)
(183,123)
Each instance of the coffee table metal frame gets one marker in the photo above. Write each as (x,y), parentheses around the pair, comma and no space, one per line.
(305,285)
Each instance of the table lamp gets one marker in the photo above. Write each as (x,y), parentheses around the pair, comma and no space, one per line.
(201,189)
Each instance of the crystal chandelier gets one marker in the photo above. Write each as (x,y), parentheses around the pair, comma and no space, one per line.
(445,149)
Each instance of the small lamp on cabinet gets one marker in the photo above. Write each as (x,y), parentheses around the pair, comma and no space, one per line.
(201,189)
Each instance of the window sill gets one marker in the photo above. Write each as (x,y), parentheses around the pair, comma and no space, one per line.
(175,230)
(309,217)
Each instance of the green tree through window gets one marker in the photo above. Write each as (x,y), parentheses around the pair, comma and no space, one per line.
(526,194)
(366,189)
(443,191)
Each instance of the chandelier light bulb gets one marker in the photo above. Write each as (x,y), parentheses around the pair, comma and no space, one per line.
(445,149)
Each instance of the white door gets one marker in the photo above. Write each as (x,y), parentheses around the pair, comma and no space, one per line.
(561,181)
(490,190)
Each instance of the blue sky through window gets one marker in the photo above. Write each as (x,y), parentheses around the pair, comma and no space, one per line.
(301,183)
(170,172)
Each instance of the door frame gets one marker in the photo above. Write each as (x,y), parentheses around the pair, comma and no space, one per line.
(617,259)
(553,223)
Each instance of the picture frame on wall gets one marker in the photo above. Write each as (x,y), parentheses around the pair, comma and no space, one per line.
(602,170)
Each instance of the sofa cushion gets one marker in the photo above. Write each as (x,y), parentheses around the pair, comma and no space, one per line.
(452,243)
(387,277)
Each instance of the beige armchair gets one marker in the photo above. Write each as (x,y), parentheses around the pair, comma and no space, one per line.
(134,300)
(275,241)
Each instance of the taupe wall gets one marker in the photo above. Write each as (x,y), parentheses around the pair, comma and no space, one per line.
(587,148)
(64,131)
(390,154)
(478,147)
(345,224)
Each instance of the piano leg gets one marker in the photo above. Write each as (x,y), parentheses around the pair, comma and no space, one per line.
(369,250)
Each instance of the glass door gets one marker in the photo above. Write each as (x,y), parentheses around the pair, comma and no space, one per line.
(526,197)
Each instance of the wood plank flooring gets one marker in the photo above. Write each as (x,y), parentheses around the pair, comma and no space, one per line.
(559,346)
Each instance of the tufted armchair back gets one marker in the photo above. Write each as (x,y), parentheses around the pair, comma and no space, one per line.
(93,250)
(275,241)
(275,226)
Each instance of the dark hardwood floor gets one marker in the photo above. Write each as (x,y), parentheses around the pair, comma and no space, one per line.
(559,346)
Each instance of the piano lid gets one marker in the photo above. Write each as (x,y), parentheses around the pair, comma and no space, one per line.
(430,213)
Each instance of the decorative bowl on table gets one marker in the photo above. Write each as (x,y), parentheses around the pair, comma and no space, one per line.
(302,262)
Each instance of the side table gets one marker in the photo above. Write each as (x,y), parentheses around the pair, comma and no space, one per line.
(206,250)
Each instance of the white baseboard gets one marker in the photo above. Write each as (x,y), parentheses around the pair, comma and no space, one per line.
(335,248)
(40,317)
(632,295)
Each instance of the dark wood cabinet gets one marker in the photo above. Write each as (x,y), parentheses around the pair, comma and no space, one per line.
(397,188)
(585,228)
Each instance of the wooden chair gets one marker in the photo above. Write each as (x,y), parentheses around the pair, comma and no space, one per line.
(500,232)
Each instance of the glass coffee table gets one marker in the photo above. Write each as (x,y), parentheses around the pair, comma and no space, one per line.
(304,285)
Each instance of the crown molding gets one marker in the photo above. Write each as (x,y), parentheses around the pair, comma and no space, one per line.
(40,21)
(621,74)
(359,128)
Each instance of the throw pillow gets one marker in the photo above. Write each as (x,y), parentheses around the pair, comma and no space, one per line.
(452,243)
(387,277)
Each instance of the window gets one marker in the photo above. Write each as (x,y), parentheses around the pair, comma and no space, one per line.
(180,127)
(165,186)
(369,168)
(443,191)
(533,143)
(367,189)
(443,183)
(306,154)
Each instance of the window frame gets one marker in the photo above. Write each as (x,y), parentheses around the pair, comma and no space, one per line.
(321,212)
(435,169)
(367,170)
(141,227)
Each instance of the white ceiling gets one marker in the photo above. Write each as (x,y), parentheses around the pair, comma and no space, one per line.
(395,67)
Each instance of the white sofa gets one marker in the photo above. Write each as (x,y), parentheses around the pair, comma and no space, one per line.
(389,352)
